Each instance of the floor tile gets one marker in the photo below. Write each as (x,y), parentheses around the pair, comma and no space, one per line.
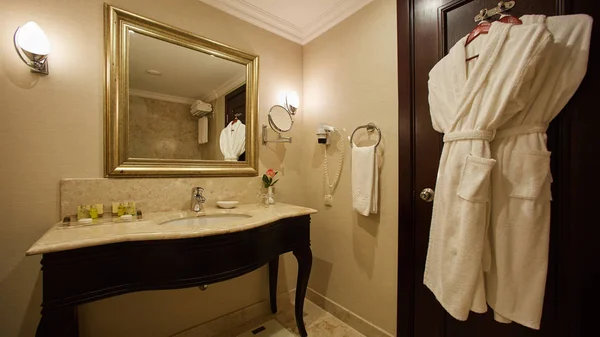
(319,323)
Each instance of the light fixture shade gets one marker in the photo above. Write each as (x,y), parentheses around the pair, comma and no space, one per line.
(31,38)
(292,99)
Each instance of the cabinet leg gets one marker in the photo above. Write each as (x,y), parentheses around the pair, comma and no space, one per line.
(273,271)
(304,257)
(59,322)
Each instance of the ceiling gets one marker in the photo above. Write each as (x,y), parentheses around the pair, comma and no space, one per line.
(297,20)
(185,74)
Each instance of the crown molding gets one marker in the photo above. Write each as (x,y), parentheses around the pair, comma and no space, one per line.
(301,35)
(225,88)
(161,97)
(334,15)
(258,17)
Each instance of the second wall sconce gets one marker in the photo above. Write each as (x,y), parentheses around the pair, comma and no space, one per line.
(292,101)
(33,47)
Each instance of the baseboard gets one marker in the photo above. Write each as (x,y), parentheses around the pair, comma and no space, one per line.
(263,309)
(238,317)
(356,322)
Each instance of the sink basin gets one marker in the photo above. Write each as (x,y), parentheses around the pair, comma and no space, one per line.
(207,220)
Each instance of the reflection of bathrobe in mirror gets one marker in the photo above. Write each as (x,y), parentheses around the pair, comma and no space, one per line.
(233,140)
(520,214)
(469,101)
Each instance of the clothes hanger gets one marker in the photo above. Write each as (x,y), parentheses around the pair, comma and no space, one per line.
(483,27)
(235,118)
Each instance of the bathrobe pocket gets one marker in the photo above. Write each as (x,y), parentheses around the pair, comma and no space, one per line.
(475,180)
(527,172)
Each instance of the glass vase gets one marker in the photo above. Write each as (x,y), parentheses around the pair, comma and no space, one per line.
(270,199)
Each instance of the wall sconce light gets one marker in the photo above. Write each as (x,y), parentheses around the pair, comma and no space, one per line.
(33,47)
(292,101)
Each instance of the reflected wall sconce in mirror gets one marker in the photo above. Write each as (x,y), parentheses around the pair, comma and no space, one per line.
(33,47)
(281,119)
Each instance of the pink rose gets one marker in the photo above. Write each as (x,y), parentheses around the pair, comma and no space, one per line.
(271,173)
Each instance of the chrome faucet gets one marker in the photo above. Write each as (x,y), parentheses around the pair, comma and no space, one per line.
(197,199)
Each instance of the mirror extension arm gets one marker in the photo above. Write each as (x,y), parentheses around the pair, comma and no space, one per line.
(280,138)
(280,120)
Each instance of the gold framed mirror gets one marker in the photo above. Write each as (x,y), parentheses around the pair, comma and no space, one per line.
(176,104)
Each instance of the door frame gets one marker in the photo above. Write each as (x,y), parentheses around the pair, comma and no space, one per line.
(406,143)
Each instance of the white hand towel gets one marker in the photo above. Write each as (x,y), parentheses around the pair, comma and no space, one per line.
(365,179)
(203,130)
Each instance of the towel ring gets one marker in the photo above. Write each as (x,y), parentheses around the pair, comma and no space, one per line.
(370,128)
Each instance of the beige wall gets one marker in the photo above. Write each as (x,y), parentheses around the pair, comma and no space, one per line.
(52,128)
(350,78)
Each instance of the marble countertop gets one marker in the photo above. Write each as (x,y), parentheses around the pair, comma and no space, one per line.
(151,227)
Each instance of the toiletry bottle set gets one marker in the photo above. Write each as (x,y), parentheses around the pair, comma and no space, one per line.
(125,210)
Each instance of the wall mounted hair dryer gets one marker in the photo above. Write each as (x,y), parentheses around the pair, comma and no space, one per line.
(323,131)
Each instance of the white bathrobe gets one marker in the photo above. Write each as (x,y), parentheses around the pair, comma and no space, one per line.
(520,214)
(233,140)
(469,102)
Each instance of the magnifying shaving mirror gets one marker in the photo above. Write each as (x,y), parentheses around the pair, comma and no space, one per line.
(280,120)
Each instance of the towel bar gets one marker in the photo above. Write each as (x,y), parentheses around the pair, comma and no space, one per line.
(370,128)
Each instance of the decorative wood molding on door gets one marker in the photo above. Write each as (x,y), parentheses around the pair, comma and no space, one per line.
(442,24)
(265,19)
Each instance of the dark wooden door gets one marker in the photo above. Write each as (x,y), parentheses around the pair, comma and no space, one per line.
(427,29)
(235,105)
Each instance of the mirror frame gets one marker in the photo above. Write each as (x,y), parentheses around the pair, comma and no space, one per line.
(117,24)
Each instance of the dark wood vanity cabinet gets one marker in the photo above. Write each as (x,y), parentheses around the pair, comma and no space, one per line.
(83,275)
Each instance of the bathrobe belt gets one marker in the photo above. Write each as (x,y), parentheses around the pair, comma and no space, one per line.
(491,135)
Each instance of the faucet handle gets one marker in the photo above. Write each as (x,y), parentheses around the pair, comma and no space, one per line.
(197,199)
(197,191)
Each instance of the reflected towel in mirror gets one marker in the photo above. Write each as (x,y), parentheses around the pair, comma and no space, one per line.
(203,130)
(202,106)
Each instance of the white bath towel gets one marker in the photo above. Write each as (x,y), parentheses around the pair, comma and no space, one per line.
(199,113)
(201,106)
(200,109)
(365,179)
(203,130)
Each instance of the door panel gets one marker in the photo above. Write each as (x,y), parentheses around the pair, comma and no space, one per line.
(435,26)
(235,107)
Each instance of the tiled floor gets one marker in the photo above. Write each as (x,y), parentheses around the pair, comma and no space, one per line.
(319,323)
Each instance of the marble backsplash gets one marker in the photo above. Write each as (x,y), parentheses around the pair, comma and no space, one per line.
(154,195)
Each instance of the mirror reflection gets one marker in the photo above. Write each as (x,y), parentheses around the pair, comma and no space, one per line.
(184,104)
